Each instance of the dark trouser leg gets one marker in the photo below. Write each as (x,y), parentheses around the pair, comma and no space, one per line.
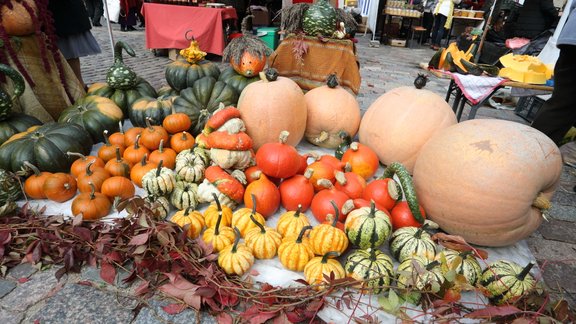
(90,8)
(427,22)
(98,11)
(558,114)
(438,33)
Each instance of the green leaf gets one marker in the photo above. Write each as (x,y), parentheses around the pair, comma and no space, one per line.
(450,275)
(390,304)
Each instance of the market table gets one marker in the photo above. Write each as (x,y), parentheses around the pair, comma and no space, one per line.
(322,57)
(166,26)
(385,25)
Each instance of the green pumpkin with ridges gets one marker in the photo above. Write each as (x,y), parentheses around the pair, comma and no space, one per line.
(181,75)
(409,241)
(155,108)
(373,267)
(16,123)
(124,98)
(6,99)
(319,19)
(119,75)
(235,80)
(367,227)
(506,281)
(46,148)
(202,99)
(95,114)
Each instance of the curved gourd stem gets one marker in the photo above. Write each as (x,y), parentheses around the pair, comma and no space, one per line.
(159,168)
(525,271)
(408,186)
(118,47)
(336,213)
(187,211)
(79,155)
(89,171)
(298,211)
(432,264)
(302,232)
(17,80)
(421,230)
(217,227)
(328,255)
(236,240)
(32,167)
(92,190)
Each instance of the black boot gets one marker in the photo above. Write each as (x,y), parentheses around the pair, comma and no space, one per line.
(122,28)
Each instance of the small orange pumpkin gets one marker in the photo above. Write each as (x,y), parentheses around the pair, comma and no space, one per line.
(79,165)
(182,141)
(92,205)
(152,135)
(33,186)
(176,122)
(118,187)
(92,177)
(167,155)
(118,166)
(107,151)
(60,187)
(135,152)
(140,169)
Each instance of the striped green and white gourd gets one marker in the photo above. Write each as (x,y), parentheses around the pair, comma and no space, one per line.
(119,75)
(409,241)
(506,281)
(463,263)
(159,181)
(416,274)
(373,267)
(185,195)
(191,164)
(159,205)
(10,187)
(368,227)
(319,19)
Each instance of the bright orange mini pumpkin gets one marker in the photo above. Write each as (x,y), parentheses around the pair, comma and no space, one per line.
(488,180)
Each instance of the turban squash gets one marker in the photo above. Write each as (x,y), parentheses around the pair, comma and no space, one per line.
(487,180)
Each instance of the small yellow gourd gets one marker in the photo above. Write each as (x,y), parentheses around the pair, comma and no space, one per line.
(263,240)
(328,237)
(236,258)
(211,215)
(193,220)
(241,218)
(192,53)
(321,266)
(292,222)
(219,236)
(295,251)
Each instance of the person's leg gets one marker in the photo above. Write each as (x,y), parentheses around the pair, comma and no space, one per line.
(558,114)
(441,20)
(435,28)
(427,22)
(75,65)
(98,12)
(90,8)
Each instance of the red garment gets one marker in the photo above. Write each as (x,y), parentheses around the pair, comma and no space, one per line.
(127,4)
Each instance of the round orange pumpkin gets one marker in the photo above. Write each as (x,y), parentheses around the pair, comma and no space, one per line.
(400,121)
(17,21)
(482,178)
(249,65)
(272,105)
(331,109)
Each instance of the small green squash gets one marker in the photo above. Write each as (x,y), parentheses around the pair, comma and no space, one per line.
(7,99)
(95,114)
(159,181)
(16,123)
(119,75)
(202,99)
(319,19)
(373,267)
(409,241)
(185,195)
(419,273)
(46,148)
(368,227)
(464,263)
(147,107)
(506,281)
(181,75)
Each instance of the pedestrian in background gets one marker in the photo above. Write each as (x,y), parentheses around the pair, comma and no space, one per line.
(558,113)
(428,18)
(442,20)
(72,25)
(95,11)
(127,18)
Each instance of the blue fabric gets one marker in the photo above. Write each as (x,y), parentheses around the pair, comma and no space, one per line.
(78,45)
(568,34)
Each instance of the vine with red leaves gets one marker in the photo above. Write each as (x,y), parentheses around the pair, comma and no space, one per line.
(159,254)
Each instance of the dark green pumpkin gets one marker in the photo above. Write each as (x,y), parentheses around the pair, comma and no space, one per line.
(95,114)
(119,75)
(167,91)
(154,108)
(46,148)
(371,266)
(319,19)
(202,99)
(16,123)
(5,98)
(124,98)
(506,281)
(235,80)
(181,75)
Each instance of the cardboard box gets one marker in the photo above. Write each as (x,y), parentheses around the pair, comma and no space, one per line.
(398,42)
(173,54)
(261,18)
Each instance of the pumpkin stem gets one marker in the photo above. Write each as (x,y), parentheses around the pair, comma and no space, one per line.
(372,254)
(325,183)
(118,51)
(236,239)
(161,146)
(149,124)
(302,232)
(217,227)
(344,145)
(322,137)
(332,81)
(89,171)
(136,142)
(121,129)
(408,186)
(79,155)
(159,168)
(354,146)
(328,255)
(187,211)
(298,211)
(372,213)
(184,136)
(420,230)
(465,254)
(525,271)
(432,265)
(541,203)
(336,213)
(340,177)
(92,190)
(308,173)
(32,167)
(144,159)
(106,140)
(253,197)
(262,228)
(118,156)
(270,75)
(283,136)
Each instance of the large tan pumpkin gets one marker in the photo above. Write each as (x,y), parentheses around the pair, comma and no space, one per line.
(480,178)
(17,21)
(331,109)
(400,121)
(272,105)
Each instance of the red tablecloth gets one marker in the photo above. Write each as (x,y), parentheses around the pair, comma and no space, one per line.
(166,26)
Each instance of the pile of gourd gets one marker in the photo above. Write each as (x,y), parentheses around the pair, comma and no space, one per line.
(189,147)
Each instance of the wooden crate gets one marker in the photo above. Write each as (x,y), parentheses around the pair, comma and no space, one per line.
(398,42)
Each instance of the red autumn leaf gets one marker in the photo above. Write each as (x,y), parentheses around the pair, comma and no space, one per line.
(254,273)
(458,243)
(492,311)
(174,309)
(107,272)
(83,233)
(23,280)
(139,239)
(224,318)
(85,283)
(193,300)
(143,288)
(294,317)
(207,292)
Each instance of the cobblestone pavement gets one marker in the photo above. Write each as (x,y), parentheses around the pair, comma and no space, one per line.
(27,294)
